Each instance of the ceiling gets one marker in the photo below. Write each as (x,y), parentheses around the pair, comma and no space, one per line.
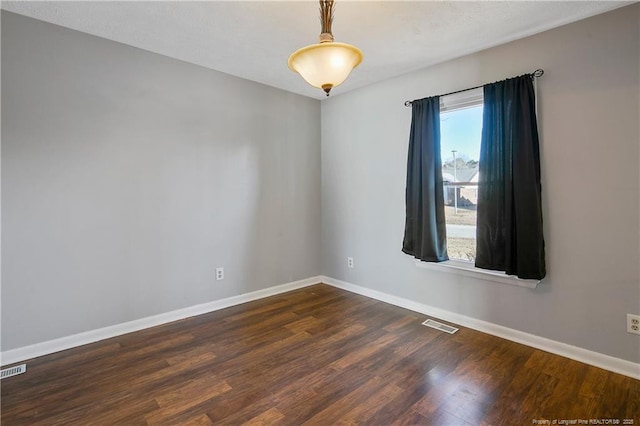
(253,39)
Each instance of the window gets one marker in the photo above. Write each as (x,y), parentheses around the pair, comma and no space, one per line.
(460,132)
(510,243)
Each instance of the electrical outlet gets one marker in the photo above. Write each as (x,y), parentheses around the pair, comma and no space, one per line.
(350,262)
(633,324)
(219,274)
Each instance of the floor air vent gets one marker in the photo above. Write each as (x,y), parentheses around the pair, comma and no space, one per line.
(440,326)
(13,371)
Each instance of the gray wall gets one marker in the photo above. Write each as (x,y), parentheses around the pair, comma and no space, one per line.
(127,177)
(588,117)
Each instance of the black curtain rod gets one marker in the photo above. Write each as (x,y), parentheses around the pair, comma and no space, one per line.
(536,74)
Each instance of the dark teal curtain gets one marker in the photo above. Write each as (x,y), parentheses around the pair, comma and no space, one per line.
(425,227)
(509,224)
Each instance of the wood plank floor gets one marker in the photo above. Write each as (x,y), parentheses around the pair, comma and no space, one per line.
(318,355)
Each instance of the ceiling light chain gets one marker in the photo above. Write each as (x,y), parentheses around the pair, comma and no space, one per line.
(326,19)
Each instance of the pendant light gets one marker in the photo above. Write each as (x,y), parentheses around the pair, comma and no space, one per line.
(327,63)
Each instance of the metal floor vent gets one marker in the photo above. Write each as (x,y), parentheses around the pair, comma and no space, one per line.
(13,371)
(440,326)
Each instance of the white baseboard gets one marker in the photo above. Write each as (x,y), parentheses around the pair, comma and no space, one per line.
(56,345)
(606,362)
(596,359)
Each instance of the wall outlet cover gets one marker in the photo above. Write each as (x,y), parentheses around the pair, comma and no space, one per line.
(633,324)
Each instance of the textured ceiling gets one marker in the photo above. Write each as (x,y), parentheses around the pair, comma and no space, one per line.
(253,40)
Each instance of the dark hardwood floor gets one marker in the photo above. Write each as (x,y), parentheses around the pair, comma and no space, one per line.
(318,355)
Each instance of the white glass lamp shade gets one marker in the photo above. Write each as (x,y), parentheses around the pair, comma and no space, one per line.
(325,65)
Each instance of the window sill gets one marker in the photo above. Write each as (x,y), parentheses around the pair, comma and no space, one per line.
(467,269)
